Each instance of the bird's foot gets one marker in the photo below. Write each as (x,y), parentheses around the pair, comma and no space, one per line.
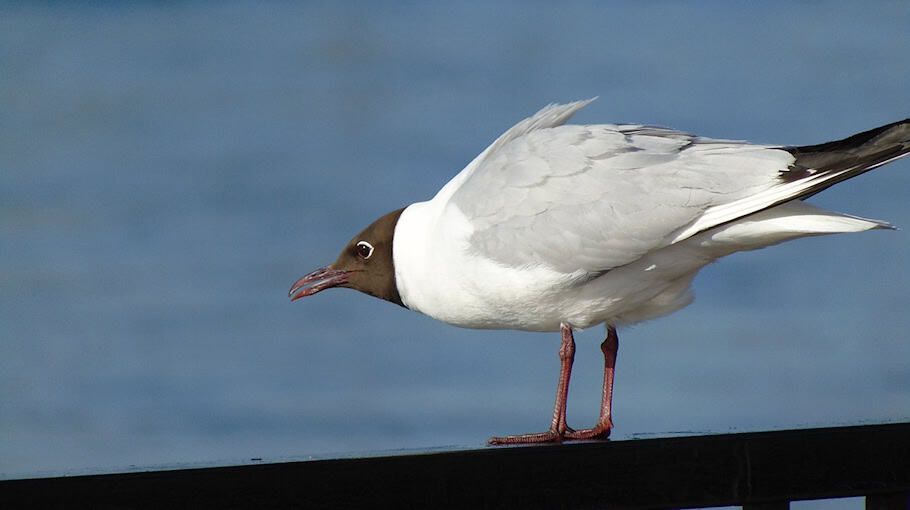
(551,436)
(599,431)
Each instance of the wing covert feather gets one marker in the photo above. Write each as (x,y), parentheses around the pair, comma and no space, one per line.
(596,197)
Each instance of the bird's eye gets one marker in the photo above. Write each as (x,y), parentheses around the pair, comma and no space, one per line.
(364,250)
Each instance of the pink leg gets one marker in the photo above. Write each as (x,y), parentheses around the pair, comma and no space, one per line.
(605,422)
(558,428)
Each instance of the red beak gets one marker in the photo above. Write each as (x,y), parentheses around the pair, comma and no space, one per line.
(320,279)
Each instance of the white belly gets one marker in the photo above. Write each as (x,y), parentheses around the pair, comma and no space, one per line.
(440,276)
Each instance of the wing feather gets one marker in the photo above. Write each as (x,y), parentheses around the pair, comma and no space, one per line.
(596,197)
(592,198)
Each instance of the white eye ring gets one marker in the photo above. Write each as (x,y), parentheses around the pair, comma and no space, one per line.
(364,250)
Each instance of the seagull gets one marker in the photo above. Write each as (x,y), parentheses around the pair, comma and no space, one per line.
(557,226)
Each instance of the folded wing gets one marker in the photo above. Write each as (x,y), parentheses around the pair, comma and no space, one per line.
(596,197)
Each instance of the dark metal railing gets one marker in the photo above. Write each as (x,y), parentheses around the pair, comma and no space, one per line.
(760,470)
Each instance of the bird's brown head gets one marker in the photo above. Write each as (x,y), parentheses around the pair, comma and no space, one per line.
(365,264)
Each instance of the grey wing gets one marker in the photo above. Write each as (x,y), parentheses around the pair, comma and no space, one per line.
(596,197)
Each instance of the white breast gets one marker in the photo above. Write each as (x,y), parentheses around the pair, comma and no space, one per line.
(439,275)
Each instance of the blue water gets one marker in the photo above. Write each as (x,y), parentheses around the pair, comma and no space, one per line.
(168,170)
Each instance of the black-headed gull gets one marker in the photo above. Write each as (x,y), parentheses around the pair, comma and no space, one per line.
(557,226)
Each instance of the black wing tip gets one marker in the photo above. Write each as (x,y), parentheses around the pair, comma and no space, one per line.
(874,137)
(855,154)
